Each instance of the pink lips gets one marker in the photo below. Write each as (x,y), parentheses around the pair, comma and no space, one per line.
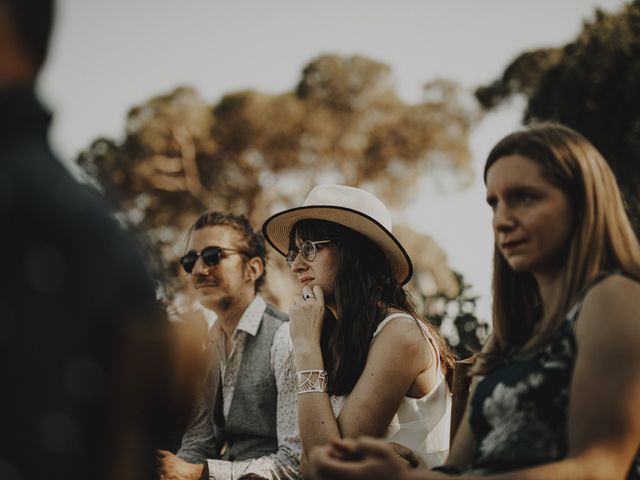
(305,280)
(512,244)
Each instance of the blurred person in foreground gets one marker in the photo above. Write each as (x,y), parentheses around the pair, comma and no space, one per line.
(366,362)
(556,389)
(84,348)
(244,422)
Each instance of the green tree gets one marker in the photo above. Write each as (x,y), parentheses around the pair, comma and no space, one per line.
(255,153)
(592,85)
(465,333)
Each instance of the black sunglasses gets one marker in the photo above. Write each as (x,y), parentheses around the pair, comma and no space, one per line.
(211,256)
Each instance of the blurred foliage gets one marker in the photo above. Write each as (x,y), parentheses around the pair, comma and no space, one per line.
(255,154)
(592,85)
(454,316)
(523,75)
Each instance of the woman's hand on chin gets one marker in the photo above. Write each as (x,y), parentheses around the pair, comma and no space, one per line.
(305,319)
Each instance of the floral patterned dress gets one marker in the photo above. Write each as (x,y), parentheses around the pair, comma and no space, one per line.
(519,412)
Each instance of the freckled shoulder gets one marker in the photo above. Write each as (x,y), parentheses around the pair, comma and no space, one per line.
(402,332)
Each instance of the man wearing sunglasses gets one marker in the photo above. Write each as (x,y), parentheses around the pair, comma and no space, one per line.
(245,421)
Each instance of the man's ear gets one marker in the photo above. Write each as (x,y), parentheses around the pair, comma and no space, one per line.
(254,268)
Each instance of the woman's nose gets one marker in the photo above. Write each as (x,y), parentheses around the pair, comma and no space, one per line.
(503,219)
(299,263)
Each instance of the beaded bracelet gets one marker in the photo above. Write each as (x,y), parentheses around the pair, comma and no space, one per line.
(312,381)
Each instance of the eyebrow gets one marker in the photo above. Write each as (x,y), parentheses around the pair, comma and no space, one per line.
(521,186)
(510,190)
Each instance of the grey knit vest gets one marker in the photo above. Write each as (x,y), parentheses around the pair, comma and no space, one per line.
(249,430)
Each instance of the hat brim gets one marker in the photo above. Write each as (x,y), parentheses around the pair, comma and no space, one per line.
(277,230)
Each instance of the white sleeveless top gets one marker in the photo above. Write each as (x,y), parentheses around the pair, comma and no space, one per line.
(422,424)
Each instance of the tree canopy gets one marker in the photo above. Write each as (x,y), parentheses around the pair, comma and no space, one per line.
(255,153)
(591,84)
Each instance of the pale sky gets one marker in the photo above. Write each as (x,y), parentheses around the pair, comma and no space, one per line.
(107,56)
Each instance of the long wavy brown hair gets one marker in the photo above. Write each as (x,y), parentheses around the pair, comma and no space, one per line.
(602,237)
(364,291)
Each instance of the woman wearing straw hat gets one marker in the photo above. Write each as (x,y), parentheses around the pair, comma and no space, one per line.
(366,363)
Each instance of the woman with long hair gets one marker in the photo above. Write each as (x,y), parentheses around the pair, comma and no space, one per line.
(367,364)
(557,387)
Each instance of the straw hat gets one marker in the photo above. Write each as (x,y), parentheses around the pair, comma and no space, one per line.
(349,206)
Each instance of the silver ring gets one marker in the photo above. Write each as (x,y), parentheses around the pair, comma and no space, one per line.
(306,296)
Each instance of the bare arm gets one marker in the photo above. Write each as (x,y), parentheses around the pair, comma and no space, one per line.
(378,393)
(397,356)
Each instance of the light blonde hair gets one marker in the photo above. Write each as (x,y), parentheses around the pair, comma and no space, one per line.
(602,237)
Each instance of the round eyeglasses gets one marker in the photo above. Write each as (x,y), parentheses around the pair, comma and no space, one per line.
(211,256)
(308,250)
